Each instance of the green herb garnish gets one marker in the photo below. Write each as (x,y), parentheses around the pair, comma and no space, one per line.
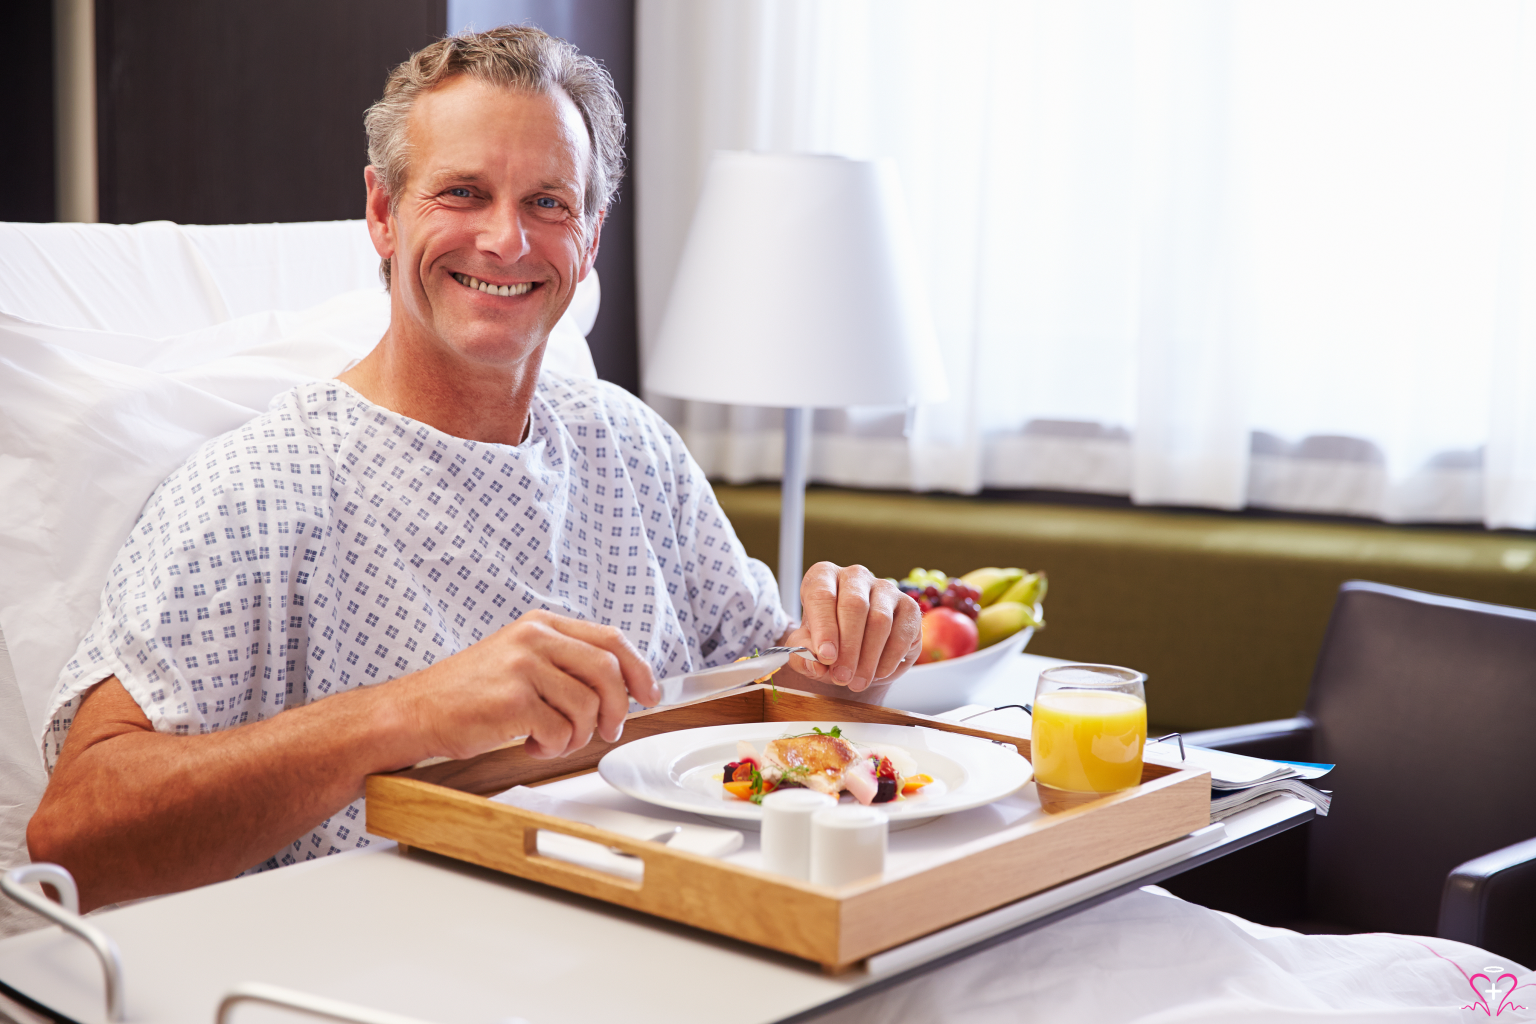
(836,732)
(759,784)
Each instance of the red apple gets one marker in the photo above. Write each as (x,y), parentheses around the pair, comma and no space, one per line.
(947,634)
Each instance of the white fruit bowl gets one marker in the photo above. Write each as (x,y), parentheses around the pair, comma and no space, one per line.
(944,685)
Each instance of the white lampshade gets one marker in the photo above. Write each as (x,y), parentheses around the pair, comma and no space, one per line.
(798,287)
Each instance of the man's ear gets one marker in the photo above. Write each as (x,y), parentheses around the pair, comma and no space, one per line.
(590,256)
(381,227)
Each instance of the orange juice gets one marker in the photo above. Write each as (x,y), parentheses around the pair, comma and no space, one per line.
(1088,742)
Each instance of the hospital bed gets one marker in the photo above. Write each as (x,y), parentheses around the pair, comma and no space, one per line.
(122,347)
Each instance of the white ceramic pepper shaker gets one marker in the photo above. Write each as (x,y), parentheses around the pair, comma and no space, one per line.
(786,835)
(847,844)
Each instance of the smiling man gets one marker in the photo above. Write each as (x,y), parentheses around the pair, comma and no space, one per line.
(439,551)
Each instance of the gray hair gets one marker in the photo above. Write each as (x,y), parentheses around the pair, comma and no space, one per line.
(513,57)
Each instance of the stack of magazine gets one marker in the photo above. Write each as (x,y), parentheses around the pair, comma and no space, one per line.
(1238,781)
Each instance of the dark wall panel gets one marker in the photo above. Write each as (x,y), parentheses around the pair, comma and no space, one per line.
(26,110)
(604,30)
(227,113)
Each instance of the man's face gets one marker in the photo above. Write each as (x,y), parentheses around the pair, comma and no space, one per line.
(486,241)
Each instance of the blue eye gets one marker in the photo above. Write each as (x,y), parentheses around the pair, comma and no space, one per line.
(461,193)
(547,202)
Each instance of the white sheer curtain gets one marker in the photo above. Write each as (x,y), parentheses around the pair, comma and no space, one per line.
(1198,252)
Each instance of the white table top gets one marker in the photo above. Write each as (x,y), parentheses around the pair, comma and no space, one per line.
(438,940)
(420,935)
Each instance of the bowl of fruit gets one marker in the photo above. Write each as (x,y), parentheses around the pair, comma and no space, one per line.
(972,624)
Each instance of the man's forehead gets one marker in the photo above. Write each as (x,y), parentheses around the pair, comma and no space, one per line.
(467,115)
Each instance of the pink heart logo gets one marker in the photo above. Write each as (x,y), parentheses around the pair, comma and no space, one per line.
(1484,1000)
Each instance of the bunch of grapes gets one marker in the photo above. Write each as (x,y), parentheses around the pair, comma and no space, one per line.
(931,589)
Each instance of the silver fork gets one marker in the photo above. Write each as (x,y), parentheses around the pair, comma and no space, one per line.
(804,652)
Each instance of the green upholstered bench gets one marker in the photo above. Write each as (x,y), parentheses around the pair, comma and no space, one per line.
(1224,613)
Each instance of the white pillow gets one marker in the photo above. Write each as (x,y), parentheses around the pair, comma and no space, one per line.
(160,278)
(142,278)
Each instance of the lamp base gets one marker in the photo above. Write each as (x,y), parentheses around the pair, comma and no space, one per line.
(797,436)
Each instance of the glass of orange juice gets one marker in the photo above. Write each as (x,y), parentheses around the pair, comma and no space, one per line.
(1089,725)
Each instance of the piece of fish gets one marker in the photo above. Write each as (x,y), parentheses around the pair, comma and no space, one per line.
(817,762)
(860,782)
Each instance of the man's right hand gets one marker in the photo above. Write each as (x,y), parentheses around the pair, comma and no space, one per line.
(553,679)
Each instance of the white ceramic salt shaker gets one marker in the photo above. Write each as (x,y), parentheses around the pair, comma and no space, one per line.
(847,844)
(786,835)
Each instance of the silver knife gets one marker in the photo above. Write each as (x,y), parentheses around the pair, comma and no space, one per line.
(727,677)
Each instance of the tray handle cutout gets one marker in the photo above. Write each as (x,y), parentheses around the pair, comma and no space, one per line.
(532,824)
(588,858)
(505,837)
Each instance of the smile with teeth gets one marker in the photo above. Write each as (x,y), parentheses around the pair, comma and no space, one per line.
(521,288)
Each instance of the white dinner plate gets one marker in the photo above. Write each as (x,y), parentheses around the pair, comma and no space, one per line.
(680,769)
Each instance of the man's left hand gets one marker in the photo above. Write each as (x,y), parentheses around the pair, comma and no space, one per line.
(862,629)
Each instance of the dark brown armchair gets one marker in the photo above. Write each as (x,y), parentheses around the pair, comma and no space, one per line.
(1427,705)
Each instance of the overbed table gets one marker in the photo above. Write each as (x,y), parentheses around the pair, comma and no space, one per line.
(439,940)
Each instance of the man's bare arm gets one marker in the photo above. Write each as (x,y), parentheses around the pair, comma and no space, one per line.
(132,812)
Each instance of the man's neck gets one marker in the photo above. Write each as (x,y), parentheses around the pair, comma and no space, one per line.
(468,400)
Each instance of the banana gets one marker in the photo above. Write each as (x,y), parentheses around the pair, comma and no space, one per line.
(999,621)
(1029,590)
(992,582)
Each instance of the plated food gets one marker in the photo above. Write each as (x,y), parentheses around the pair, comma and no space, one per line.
(684,770)
(826,762)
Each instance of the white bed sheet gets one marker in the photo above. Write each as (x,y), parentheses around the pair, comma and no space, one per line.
(1150,958)
(21,784)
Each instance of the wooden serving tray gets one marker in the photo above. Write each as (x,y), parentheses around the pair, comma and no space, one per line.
(443,808)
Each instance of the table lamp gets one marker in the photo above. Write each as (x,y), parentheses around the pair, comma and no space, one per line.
(799,288)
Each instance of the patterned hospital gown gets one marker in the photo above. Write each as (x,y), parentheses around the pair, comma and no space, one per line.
(331,543)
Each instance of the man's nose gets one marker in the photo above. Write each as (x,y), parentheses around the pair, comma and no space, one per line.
(503,233)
